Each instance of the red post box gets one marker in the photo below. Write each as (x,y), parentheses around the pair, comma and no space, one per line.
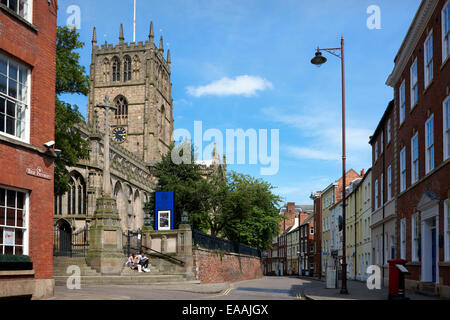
(397,272)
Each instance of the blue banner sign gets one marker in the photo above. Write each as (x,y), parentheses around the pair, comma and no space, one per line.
(164,210)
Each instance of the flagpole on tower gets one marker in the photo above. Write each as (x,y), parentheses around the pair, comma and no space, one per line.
(134,23)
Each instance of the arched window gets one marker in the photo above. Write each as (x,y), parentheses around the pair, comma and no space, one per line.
(116,69)
(122,107)
(127,68)
(76,196)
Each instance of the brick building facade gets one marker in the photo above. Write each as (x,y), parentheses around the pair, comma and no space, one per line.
(421,83)
(384,190)
(27,104)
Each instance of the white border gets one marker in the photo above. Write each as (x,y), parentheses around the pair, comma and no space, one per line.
(159,220)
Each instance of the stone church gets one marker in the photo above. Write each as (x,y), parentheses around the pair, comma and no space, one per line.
(136,77)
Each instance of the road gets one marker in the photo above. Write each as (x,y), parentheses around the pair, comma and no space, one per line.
(267,288)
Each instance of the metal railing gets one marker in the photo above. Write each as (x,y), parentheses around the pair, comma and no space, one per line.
(180,262)
(207,241)
(68,244)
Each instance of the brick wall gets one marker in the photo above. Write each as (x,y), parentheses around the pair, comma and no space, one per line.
(211,267)
(34,45)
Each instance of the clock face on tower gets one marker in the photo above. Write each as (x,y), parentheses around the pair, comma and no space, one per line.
(119,134)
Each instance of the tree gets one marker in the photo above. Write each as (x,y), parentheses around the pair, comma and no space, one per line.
(186,180)
(70,78)
(252,211)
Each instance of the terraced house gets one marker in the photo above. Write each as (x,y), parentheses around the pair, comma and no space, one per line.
(421,83)
(27,117)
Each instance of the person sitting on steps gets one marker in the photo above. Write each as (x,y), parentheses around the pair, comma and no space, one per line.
(143,262)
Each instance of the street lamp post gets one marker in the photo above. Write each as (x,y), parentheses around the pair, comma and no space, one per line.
(318,60)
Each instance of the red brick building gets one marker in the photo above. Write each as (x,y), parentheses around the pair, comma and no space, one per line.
(307,244)
(421,82)
(27,104)
(383,192)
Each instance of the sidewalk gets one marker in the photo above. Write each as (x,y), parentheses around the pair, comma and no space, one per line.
(358,290)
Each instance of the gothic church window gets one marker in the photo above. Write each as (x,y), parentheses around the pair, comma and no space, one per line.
(122,108)
(116,69)
(127,69)
(76,196)
(136,67)
(106,70)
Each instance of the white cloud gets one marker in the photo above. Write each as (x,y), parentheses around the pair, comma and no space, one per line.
(242,86)
(309,153)
(322,135)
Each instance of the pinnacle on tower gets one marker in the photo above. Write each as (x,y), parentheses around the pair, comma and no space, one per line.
(168,56)
(121,37)
(151,36)
(161,47)
(94,36)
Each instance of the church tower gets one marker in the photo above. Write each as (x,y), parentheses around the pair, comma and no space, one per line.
(136,77)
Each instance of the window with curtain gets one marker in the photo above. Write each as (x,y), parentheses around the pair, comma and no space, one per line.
(13,98)
(13,225)
(429,144)
(402,100)
(415,158)
(414,84)
(446,31)
(428,59)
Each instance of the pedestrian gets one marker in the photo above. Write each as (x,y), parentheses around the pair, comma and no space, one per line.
(144,261)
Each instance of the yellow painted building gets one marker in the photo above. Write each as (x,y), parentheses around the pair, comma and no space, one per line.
(328,199)
(357,222)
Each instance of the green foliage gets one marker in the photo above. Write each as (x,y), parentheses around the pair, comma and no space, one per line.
(252,211)
(70,75)
(185,180)
(70,78)
(240,208)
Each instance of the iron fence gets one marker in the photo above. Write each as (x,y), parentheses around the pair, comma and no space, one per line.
(207,241)
(68,244)
(132,242)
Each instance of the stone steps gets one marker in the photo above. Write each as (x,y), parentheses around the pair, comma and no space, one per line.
(90,276)
(139,279)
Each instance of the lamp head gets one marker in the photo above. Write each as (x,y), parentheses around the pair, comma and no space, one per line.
(318,60)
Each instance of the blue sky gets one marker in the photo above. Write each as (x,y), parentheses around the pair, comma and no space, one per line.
(246,64)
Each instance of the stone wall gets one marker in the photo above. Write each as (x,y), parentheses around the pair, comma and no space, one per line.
(211,266)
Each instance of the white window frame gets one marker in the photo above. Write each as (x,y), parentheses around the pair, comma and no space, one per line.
(26,133)
(381,143)
(403,238)
(414,84)
(414,168)
(28,15)
(428,66)
(389,183)
(402,100)
(445,35)
(446,127)
(429,147)
(26,221)
(414,237)
(403,169)
(376,194)
(382,190)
